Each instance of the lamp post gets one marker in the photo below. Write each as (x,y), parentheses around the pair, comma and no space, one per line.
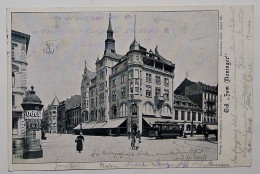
(191,134)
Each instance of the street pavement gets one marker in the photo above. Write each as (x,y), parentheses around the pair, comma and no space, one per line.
(62,148)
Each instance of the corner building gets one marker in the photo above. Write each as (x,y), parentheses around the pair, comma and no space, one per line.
(129,92)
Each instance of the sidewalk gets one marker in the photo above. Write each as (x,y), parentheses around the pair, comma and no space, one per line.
(211,139)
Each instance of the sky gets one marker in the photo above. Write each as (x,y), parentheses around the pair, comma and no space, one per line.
(189,39)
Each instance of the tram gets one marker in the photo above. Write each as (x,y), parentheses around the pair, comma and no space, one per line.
(165,130)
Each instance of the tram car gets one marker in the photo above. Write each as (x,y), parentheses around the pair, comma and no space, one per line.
(165,130)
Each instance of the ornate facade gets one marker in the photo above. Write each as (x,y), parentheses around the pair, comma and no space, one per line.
(128,90)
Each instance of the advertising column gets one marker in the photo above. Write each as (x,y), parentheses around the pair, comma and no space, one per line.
(32,106)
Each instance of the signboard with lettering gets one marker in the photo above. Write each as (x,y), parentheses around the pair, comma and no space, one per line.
(32,114)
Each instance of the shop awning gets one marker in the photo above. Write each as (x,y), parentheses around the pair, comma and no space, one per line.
(152,120)
(89,125)
(212,127)
(99,125)
(114,123)
(78,127)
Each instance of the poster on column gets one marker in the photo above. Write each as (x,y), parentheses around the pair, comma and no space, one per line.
(143,87)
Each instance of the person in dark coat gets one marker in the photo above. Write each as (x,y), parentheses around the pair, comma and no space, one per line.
(79,140)
(206,134)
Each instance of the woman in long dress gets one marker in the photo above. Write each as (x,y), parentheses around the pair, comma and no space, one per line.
(79,140)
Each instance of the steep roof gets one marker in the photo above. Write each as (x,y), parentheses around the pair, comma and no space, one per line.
(55,101)
(180,90)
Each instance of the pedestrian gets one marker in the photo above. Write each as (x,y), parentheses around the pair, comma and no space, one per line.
(79,140)
(133,140)
(138,140)
(129,135)
(206,134)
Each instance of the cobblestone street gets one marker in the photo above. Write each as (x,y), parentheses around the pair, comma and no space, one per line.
(62,148)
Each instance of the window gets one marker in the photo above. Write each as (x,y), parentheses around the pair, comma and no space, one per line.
(123,110)
(148,91)
(188,116)
(166,82)
(157,91)
(113,95)
(176,115)
(194,116)
(136,86)
(91,93)
(101,86)
(101,98)
(148,77)
(114,83)
(13,100)
(136,73)
(182,115)
(166,94)
(158,80)
(101,74)
(131,74)
(131,87)
(92,102)
(123,92)
(13,80)
(123,78)
(199,117)
(114,112)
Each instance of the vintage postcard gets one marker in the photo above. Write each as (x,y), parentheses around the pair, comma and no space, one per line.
(139,87)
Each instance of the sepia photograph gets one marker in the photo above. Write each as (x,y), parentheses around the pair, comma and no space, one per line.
(111,86)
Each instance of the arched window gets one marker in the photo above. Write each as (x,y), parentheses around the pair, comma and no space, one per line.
(123,110)
(114,111)
(166,111)
(148,109)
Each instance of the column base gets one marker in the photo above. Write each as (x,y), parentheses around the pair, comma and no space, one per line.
(30,154)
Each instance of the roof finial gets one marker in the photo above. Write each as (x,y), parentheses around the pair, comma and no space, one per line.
(134,27)
(187,74)
(85,64)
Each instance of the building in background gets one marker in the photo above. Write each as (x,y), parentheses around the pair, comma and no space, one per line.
(73,113)
(188,115)
(205,96)
(50,116)
(69,114)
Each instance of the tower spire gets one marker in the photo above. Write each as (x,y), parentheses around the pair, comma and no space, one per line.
(134,27)
(85,64)
(109,25)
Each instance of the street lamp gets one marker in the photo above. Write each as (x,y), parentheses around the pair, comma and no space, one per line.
(192,109)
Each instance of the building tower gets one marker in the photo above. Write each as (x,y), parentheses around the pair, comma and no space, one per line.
(110,42)
(53,115)
(85,84)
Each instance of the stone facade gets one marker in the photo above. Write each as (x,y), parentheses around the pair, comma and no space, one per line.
(205,96)
(50,116)
(130,87)
(20,43)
